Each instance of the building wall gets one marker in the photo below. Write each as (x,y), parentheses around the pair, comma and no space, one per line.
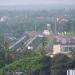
(56,49)
(70,72)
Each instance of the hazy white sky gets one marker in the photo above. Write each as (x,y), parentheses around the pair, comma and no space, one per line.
(32,2)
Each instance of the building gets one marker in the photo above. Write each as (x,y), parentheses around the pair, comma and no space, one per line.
(64,45)
(56,49)
(70,72)
(64,49)
(46,32)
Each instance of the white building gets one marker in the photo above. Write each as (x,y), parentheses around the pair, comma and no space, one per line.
(46,32)
(70,72)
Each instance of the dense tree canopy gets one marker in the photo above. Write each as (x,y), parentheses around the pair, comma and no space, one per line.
(60,64)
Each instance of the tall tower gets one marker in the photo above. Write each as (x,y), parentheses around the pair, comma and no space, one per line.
(49,28)
(56,21)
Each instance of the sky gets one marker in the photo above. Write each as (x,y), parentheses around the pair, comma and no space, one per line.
(36,2)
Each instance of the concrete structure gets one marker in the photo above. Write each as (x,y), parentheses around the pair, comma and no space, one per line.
(64,49)
(56,49)
(71,72)
(63,44)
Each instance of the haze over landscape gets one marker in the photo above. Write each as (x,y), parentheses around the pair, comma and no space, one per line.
(34,2)
(37,37)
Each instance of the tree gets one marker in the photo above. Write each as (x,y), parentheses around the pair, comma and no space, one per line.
(72,56)
(46,63)
(42,48)
(72,53)
(4,52)
(60,63)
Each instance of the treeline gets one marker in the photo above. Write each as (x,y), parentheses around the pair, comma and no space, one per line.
(35,65)
(20,21)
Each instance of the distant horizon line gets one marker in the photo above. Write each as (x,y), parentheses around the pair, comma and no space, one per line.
(38,4)
(43,6)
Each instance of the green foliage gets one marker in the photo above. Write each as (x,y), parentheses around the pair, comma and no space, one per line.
(40,65)
(72,54)
(4,52)
(60,64)
(28,64)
